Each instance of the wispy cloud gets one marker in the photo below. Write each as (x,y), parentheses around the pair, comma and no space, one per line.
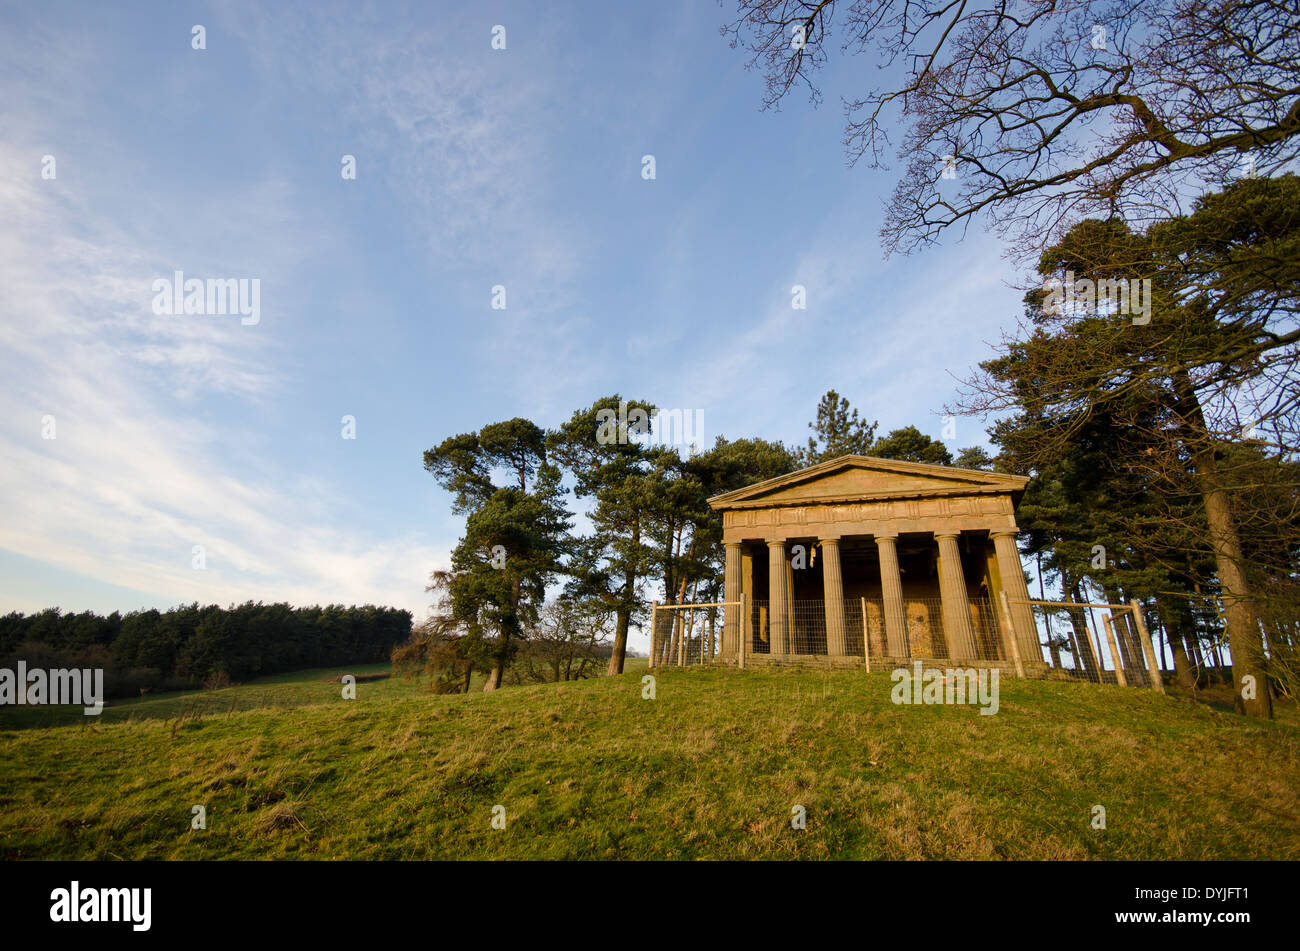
(475,168)
(151,453)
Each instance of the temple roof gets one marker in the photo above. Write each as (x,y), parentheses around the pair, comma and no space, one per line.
(856,478)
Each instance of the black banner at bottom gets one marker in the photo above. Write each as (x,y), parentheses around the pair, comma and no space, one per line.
(140,901)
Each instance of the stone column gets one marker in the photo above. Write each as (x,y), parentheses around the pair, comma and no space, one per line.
(833,593)
(891,588)
(777,597)
(956,600)
(1013,583)
(731,592)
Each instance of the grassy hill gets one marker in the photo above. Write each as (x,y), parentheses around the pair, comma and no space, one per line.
(711,768)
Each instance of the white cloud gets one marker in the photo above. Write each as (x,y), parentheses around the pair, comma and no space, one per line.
(142,468)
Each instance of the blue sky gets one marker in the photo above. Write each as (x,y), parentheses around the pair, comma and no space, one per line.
(475,167)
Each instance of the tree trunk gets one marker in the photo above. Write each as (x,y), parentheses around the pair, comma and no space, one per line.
(1113,596)
(1198,656)
(1218,661)
(1161,640)
(1052,646)
(1070,588)
(1047,618)
(1174,629)
(679,618)
(1072,643)
(497,674)
(1244,639)
(623,617)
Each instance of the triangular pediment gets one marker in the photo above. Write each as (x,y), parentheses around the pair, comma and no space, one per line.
(867,477)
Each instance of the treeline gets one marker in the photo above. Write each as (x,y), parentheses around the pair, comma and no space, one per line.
(189,645)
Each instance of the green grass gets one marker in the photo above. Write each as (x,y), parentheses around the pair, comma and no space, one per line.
(710,769)
(280,691)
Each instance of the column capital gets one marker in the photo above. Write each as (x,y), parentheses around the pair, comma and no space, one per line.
(1003,532)
(946,534)
(882,537)
(829,540)
(736,544)
(775,543)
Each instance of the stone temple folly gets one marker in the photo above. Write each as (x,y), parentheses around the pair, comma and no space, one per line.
(860,557)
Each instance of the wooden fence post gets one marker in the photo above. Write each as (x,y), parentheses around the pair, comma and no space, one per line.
(1153,666)
(1108,622)
(1011,634)
(654,631)
(681,639)
(1091,627)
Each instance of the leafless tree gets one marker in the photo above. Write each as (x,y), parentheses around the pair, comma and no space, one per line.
(1038,113)
(566,643)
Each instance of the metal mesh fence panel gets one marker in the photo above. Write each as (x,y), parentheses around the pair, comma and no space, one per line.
(803,629)
(1091,643)
(685,634)
(1105,644)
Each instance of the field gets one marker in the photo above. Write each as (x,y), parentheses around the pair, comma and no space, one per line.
(710,769)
